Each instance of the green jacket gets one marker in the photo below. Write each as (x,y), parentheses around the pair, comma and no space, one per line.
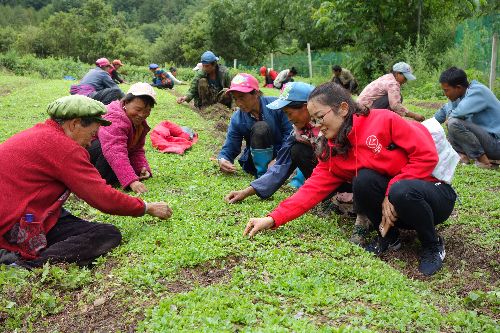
(222,75)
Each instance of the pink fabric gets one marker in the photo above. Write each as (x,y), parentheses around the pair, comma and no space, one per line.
(81,89)
(385,84)
(125,160)
(168,137)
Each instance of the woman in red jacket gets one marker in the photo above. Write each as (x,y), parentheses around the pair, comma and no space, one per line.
(389,161)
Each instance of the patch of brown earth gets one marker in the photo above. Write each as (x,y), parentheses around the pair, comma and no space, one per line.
(428,105)
(205,274)
(467,266)
(119,310)
(4,91)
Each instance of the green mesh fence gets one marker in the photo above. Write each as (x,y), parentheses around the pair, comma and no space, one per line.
(474,37)
(322,62)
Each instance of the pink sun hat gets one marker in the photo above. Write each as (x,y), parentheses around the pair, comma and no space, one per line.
(244,83)
(101,62)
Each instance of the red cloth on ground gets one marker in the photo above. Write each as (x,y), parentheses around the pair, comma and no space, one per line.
(168,137)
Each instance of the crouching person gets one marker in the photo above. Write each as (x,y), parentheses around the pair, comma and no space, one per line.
(388,160)
(263,129)
(39,168)
(118,151)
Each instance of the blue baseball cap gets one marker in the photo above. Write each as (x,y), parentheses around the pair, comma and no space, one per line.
(293,92)
(153,66)
(405,69)
(208,57)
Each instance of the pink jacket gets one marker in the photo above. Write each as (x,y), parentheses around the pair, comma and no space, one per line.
(125,160)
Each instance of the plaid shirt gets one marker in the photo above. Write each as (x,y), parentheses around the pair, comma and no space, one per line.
(384,85)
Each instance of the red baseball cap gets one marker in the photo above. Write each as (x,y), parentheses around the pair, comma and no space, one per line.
(244,83)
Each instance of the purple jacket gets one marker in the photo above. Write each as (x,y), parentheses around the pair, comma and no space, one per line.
(125,160)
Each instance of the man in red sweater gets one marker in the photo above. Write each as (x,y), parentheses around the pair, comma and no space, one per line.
(39,168)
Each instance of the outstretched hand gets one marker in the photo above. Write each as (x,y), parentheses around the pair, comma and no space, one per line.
(237,196)
(256,225)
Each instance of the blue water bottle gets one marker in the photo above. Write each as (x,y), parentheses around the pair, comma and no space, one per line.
(29,218)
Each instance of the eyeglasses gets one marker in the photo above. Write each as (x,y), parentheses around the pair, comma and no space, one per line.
(319,120)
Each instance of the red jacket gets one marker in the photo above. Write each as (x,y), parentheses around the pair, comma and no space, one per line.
(126,159)
(414,157)
(39,167)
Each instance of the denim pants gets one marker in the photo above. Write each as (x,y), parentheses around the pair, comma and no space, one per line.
(420,204)
(472,140)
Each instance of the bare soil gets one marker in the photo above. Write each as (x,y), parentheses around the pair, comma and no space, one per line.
(118,309)
(428,105)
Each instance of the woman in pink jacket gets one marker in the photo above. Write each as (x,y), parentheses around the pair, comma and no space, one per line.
(390,163)
(118,151)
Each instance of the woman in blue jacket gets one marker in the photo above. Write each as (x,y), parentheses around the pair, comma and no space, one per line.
(264,130)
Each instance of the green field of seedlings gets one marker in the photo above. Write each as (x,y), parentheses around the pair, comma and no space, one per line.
(197,273)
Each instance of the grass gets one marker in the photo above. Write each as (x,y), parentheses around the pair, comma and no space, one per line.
(195,272)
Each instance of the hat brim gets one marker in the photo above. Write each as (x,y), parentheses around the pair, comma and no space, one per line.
(409,76)
(241,89)
(102,121)
(278,104)
(205,62)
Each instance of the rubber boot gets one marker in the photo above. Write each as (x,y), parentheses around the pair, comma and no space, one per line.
(298,180)
(261,158)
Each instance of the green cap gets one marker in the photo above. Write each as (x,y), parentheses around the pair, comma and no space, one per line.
(78,106)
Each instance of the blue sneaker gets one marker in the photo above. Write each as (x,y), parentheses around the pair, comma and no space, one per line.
(431,259)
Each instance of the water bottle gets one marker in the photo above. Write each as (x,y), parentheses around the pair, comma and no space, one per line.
(29,218)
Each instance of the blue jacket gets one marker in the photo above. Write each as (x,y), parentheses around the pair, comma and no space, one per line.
(479,105)
(99,79)
(240,126)
(276,176)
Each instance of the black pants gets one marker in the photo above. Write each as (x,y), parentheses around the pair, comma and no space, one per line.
(74,240)
(420,205)
(261,136)
(107,95)
(303,157)
(101,164)
(383,102)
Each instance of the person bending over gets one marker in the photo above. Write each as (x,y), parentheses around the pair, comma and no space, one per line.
(389,162)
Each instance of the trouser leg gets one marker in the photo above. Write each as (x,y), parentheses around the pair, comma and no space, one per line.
(369,192)
(421,205)
(107,95)
(261,136)
(472,140)
(383,102)
(74,240)
(303,157)
(101,164)
(261,148)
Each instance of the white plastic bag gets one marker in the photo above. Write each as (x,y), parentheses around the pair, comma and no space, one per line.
(448,157)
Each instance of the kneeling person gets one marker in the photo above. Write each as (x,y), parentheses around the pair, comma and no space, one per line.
(40,167)
(264,130)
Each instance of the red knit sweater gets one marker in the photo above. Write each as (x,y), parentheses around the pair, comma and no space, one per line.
(39,167)
(414,157)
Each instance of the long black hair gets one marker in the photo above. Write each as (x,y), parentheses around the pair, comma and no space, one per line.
(333,94)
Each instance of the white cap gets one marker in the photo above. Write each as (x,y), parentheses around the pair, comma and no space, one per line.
(142,89)
(198,66)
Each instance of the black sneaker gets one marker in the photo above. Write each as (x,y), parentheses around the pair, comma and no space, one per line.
(382,244)
(432,258)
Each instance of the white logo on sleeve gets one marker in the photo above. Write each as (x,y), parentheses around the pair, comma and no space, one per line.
(372,143)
